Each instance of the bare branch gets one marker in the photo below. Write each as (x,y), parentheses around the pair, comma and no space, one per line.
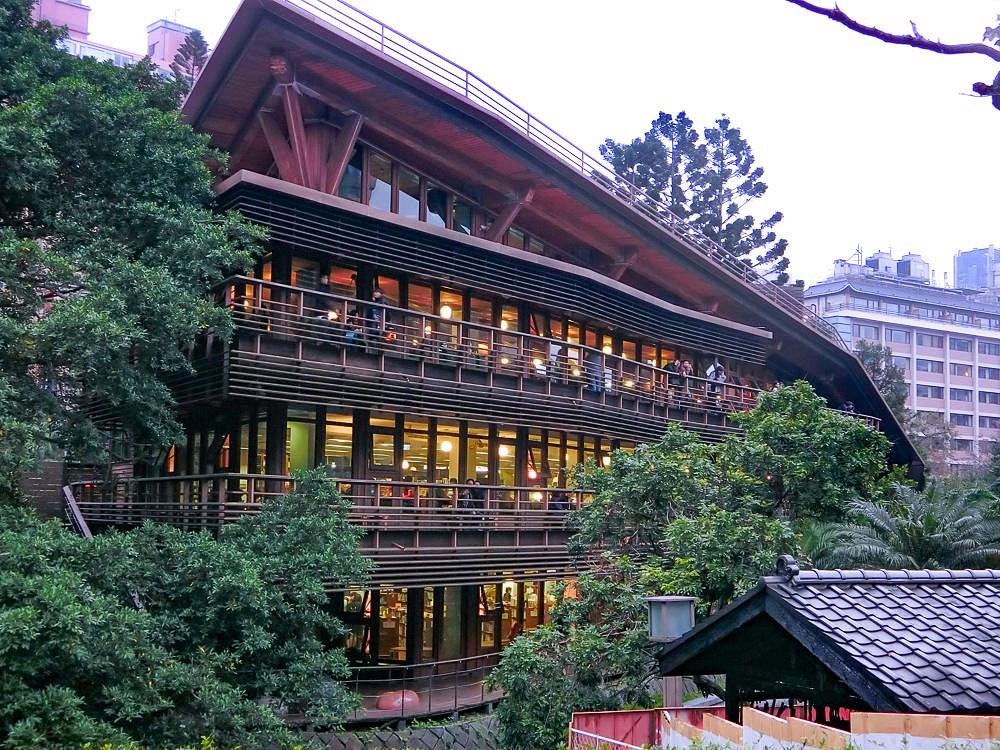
(908,40)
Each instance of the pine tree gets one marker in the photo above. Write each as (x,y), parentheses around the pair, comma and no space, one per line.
(722,190)
(706,179)
(190,59)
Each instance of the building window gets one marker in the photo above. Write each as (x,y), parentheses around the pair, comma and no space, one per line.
(930,365)
(897,308)
(990,423)
(897,336)
(961,370)
(989,373)
(960,345)
(963,318)
(992,350)
(865,332)
(437,207)
(379,182)
(989,397)
(960,394)
(961,446)
(930,340)
(930,391)
(409,193)
(961,420)
(461,217)
(350,183)
(903,363)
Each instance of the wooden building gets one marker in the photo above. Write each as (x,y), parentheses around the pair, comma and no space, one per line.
(452,293)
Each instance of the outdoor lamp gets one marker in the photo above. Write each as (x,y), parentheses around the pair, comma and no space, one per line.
(446,311)
(670,617)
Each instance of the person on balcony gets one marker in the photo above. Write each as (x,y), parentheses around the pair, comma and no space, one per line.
(716,375)
(595,370)
(376,317)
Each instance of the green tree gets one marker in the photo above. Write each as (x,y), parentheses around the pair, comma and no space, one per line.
(943,527)
(162,636)
(681,516)
(888,378)
(710,180)
(722,191)
(190,59)
(108,246)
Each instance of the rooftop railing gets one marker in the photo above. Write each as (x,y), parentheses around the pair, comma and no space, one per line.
(352,325)
(411,53)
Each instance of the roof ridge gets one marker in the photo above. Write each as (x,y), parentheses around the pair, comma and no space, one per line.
(820,577)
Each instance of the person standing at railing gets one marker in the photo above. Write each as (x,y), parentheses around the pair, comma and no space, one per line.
(595,370)
(716,375)
(376,316)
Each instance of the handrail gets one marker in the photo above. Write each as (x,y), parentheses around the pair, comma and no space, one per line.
(403,49)
(947,318)
(73,514)
(366,326)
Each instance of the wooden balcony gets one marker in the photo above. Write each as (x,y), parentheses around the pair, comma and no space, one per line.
(306,346)
(416,533)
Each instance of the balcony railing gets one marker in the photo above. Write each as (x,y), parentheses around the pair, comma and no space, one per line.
(982,324)
(405,691)
(207,501)
(349,325)
(414,55)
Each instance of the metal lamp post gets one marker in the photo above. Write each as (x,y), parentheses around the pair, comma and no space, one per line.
(670,617)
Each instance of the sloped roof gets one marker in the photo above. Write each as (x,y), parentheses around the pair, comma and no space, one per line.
(918,641)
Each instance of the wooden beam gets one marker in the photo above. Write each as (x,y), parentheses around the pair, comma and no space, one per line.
(340,152)
(288,167)
(297,133)
(619,267)
(507,216)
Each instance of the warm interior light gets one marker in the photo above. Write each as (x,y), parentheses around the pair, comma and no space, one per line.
(504,451)
(537,362)
(445,311)
(536,496)
(332,315)
(532,474)
(576,372)
(504,325)
(405,465)
(606,460)
(504,361)
(629,382)
(606,349)
(483,348)
(427,329)
(445,446)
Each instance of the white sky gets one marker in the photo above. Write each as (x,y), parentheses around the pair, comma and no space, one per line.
(862,143)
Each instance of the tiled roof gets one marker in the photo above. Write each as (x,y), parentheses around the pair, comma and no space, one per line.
(931,637)
(917,641)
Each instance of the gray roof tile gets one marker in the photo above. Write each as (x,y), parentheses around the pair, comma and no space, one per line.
(931,636)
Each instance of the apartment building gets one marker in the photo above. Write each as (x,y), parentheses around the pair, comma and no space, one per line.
(946,340)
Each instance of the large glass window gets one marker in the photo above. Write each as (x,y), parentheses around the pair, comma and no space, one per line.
(989,397)
(960,394)
(930,391)
(337,448)
(897,336)
(461,217)
(861,331)
(992,350)
(961,420)
(989,373)
(350,185)
(392,625)
(959,345)
(437,206)
(510,600)
(409,193)
(379,182)
(961,370)
(451,623)
(300,440)
(930,365)
(930,340)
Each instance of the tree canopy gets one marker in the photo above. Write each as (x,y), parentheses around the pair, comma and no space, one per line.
(108,246)
(681,516)
(710,179)
(161,636)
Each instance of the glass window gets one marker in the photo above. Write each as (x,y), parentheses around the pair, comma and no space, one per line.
(409,193)
(960,394)
(959,345)
(337,447)
(930,365)
(990,423)
(989,373)
(379,182)
(392,625)
(961,420)
(988,397)
(991,349)
(437,207)
(962,446)
(461,217)
(487,617)
(961,370)
(451,623)
(865,332)
(930,340)
(535,246)
(350,185)
(427,632)
(930,391)
(515,238)
(897,336)
(903,363)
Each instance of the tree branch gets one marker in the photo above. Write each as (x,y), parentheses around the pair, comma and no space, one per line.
(908,40)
